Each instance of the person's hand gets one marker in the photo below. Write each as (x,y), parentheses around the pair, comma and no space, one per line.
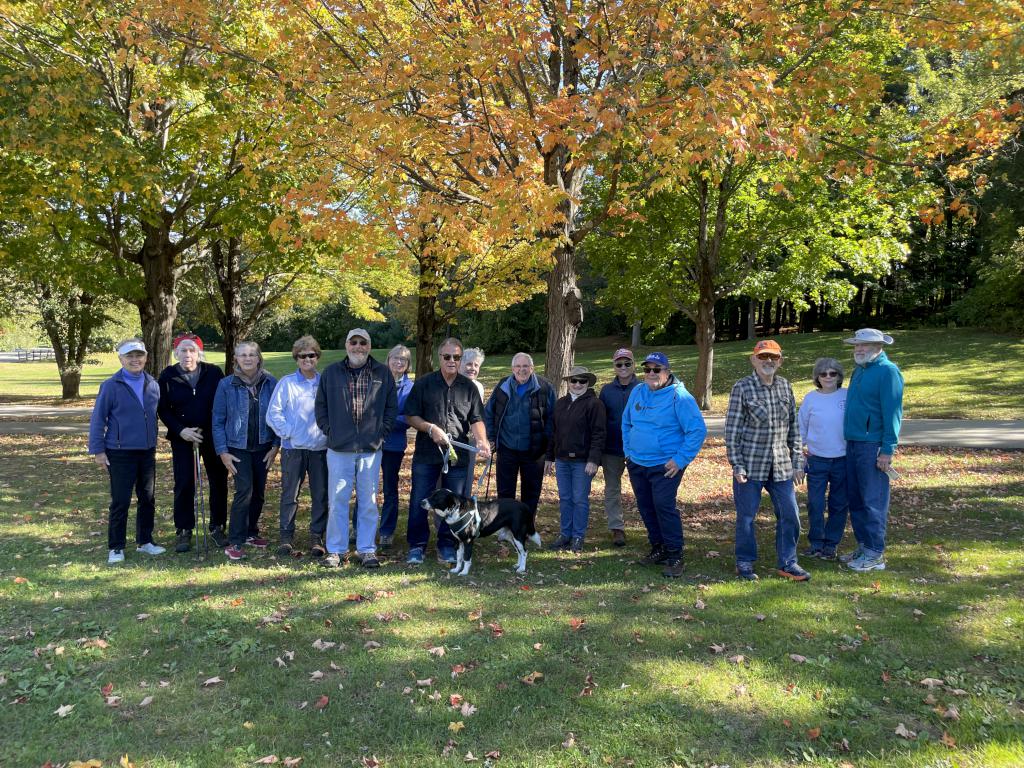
(484,451)
(192,434)
(883,462)
(671,468)
(229,462)
(437,435)
(590,469)
(798,476)
(268,460)
(549,467)
(740,478)
(101,459)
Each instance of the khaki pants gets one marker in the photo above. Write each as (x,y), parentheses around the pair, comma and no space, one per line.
(613,467)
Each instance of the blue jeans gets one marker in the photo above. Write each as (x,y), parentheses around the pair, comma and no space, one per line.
(827,474)
(345,471)
(131,470)
(868,489)
(656,501)
(747,497)
(250,492)
(424,482)
(390,464)
(573,497)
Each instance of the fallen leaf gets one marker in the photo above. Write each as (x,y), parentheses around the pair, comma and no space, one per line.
(712,553)
(532,678)
(437,650)
(371,762)
(538,646)
(467,709)
(211,681)
(457,669)
(951,713)
(20,580)
(905,733)
(457,726)
(475,615)
(237,601)
(280,662)
(316,674)
(760,616)
(716,647)
(737,659)
(124,762)
(494,754)
(64,710)
(425,683)
(570,740)
(813,733)
(496,629)
(948,740)
(798,658)
(371,645)
(886,677)
(268,760)
(323,645)
(469,758)
(844,745)
(700,605)
(107,689)
(932,682)
(112,701)
(321,702)
(94,763)
(146,701)
(448,747)
(455,700)
(588,685)
(142,616)
(164,683)
(577,624)
(354,598)
(291,762)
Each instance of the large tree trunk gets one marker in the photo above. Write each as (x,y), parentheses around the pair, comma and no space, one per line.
(751,317)
(636,337)
(227,265)
(158,308)
(69,320)
(565,315)
(426,326)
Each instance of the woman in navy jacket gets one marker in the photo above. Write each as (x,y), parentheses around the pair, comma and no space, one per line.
(187,390)
(393,450)
(122,440)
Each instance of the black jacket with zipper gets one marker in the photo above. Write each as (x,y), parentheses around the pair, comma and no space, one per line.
(334,408)
(181,406)
(580,429)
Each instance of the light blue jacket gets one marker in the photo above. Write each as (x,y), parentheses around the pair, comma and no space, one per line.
(231,414)
(292,413)
(662,424)
(119,420)
(874,404)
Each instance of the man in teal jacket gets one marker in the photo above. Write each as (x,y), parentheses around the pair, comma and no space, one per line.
(871,426)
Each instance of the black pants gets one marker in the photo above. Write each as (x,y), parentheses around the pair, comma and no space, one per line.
(183,465)
(521,465)
(296,464)
(131,470)
(250,491)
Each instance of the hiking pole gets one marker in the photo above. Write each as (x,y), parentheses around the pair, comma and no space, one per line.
(201,505)
(486,475)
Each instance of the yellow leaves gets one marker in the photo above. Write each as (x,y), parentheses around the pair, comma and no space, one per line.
(456,726)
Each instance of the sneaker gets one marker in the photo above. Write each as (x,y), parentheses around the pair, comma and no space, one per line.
(332,560)
(369,560)
(446,556)
(386,541)
(284,549)
(218,536)
(184,541)
(618,537)
(562,542)
(794,572)
(316,545)
(256,541)
(151,549)
(576,545)
(234,552)
(849,557)
(828,555)
(673,566)
(115,556)
(657,556)
(812,551)
(746,571)
(866,563)
(415,556)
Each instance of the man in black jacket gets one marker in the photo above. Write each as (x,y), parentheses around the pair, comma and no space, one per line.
(356,406)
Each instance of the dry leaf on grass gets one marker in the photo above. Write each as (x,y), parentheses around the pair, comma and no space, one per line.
(146,701)
(316,674)
(212,681)
(321,702)
(798,658)
(268,760)
(437,650)
(456,726)
(932,682)
(532,678)
(64,710)
(323,645)
(905,733)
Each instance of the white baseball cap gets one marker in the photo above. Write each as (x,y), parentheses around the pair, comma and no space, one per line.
(360,332)
(133,345)
(869,336)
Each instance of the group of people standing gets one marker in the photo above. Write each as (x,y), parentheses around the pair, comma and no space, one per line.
(344,432)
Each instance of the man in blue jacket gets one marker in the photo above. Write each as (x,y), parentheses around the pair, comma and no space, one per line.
(614,395)
(871,426)
(662,432)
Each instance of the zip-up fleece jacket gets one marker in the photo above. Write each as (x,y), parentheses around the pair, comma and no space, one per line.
(580,428)
(119,420)
(662,424)
(874,404)
(334,409)
(231,413)
(291,413)
(181,406)
(615,396)
(541,403)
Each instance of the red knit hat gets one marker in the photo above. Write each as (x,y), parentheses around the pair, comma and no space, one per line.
(187,337)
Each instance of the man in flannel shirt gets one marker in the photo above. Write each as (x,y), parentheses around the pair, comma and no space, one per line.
(762,443)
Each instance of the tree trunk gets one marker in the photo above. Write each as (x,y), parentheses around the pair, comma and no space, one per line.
(779,307)
(751,317)
(158,308)
(705,321)
(426,322)
(227,266)
(636,336)
(565,315)
(69,319)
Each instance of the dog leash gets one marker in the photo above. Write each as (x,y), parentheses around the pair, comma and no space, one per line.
(446,452)
(486,475)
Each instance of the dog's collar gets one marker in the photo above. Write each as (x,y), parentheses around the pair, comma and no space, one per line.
(470,516)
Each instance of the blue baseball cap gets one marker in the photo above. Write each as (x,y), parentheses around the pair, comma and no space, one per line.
(658,358)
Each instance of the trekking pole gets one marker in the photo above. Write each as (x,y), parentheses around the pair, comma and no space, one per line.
(201,505)
(486,476)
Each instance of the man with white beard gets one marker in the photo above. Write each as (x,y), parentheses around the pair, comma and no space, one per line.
(871,426)
(356,406)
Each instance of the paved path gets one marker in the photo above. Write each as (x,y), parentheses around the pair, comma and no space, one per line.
(1005,435)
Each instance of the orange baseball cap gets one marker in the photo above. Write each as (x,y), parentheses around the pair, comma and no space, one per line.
(768,345)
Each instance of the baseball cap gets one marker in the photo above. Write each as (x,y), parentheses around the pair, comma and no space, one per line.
(658,358)
(132,345)
(768,345)
(361,332)
(620,353)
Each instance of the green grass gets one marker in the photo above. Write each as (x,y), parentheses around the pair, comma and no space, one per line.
(948,608)
(949,373)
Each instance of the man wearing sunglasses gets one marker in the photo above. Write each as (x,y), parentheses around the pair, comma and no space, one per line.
(762,443)
(518,418)
(356,406)
(662,432)
(443,405)
(614,395)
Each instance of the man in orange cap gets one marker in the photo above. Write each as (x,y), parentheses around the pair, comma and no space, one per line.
(762,443)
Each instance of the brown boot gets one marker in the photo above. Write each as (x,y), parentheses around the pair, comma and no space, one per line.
(618,537)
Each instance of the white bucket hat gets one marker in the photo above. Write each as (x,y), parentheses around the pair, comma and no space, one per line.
(869,336)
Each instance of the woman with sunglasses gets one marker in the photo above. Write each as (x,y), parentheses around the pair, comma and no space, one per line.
(821,430)
(291,414)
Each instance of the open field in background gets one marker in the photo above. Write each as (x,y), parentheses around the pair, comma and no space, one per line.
(221,665)
(950,373)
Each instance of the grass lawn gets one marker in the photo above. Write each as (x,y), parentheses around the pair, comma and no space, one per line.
(950,373)
(585,661)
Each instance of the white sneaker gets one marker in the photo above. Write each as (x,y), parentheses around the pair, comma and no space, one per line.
(152,549)
(115,556)
(864,563)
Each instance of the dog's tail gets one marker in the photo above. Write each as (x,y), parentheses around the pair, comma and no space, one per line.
(535,538)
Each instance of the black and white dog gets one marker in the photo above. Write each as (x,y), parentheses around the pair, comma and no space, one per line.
(469,520)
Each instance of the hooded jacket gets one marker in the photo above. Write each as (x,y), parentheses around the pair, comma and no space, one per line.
(662,424)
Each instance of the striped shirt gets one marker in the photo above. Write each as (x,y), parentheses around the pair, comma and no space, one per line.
(762,436)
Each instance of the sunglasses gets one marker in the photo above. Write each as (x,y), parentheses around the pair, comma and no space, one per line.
(829,374)
(626,364)
(579,381)
(308,356)
(358,343)
(653,369)
(456,358)
(766,356)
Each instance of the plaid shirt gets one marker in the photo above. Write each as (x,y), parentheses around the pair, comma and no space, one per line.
(358,386)
(762,436)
